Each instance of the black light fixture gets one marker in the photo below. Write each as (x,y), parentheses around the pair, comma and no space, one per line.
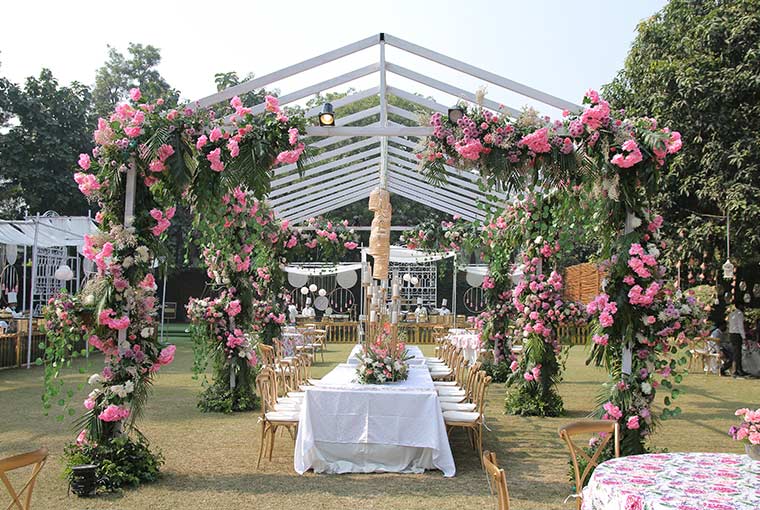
(455,113)
(326,116)
(83,480)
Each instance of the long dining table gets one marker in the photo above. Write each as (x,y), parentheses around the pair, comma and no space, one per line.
(347,427)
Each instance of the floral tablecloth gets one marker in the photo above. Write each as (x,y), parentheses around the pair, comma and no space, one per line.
(674,481)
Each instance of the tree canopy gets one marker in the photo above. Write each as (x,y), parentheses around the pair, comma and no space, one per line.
(695,66)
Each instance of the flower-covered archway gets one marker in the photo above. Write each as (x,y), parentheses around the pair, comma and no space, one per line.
(148,159)
(603,166)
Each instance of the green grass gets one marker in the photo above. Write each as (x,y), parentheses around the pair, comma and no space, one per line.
(211,459)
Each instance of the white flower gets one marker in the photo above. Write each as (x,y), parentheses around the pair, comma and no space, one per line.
(635,221)
(89,300)
(94,393)
(143,255)
(127,262)
(146,332)
(95,379)
(646,388)
(129,386)
(118,390)
(653,251)
(538,240)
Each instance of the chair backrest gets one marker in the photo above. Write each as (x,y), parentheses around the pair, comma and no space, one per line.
(607,429)
(267,354)
(496,479)
(36,459)
(471,384)
(264,385)
(480,396)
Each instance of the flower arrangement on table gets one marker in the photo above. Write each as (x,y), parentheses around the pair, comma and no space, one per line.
(382,362)
(748,432)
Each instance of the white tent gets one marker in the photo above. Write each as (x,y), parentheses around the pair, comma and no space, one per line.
(47,233)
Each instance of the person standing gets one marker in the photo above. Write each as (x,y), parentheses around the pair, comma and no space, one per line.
(736,335)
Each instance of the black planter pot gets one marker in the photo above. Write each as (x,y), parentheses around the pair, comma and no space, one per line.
(84,482)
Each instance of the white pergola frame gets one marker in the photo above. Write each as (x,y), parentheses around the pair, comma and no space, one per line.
(382,153)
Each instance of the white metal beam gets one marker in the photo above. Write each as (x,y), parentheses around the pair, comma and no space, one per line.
(449,89)
(327,166)
(468,195)
(422,101)
(414,117)
(281,170)
(327,176)
(267,79)
(329,197)
(422,198)
(319,184)
(321,86)
(348,119)
(335,205)
(459,201)
(350,131)
(345,100)
(316,196)
(481,73)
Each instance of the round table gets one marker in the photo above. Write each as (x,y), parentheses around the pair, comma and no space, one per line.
(674,481)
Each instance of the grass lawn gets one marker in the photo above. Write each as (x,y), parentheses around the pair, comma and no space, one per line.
(211,458)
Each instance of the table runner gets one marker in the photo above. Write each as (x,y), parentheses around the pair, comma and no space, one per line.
(418,358)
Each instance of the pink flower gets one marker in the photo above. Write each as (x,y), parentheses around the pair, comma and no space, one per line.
(514,366)
(202,141)
(350,245)
(132,131)
(89,404)
(674,144)
(215,135)
(165,151)
(597,115)
(84,161)
(293,136)
(613,410)
(113,413)
(88,183)
(215,158)
(149,282)
(601,339)
(82,438)
(272,104)
(135,94)
(633,423)
(488,283)
(292,156)
(156,166)
(634,155)
(528,376)
(471,149)
(538,141)
(234,148)
(233,308)
(166,356)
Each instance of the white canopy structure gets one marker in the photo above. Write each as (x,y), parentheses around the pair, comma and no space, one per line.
(50,231)
(382,153)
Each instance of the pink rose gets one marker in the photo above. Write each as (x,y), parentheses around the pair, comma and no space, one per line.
(84,161)
(135,94)
(350,245)
(633,423)
(113,413)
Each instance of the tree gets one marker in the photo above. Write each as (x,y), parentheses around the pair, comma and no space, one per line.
(695,66)
(119,74)
(46,127)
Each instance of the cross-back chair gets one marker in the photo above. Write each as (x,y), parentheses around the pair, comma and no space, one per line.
(607,430)
(36,459)
(497,480)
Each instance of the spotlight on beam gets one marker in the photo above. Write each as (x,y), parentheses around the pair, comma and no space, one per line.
(326,116)
(455,113)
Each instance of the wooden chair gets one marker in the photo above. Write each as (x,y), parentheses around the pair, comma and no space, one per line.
(37,459)
(496,479)
(471,421)
(270,419)
(267,354)
(607,429)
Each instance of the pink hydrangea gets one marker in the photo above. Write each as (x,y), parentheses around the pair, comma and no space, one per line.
(292,156)
(613,411)
(350,245)
(271,104)
(166,356)
(215,158)
(233,308)
(113,413)
(632,157)
(202,141)
(293,136)
(471,149)
(135,94)
(537,141)
(215,135)
(633,423)
(88,183)
(84,161)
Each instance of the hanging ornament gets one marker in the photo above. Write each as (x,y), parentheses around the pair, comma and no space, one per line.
(742,286)
(304,290)
(747,297)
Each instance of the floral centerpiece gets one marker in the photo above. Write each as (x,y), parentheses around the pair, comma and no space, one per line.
(748,432)
(382,362)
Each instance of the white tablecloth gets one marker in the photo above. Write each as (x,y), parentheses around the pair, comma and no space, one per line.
(468,341)
(417,359)
(346,427)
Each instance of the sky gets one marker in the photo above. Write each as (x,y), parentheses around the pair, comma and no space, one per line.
(556,46)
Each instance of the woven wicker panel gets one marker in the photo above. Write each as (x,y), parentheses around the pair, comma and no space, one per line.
(583,282)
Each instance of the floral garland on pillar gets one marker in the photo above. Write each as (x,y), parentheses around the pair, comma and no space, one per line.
(618,159)
(147,158)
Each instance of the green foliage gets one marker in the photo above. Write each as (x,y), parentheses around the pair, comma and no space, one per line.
(695,66)
(51,126)
(219,398)
(122,462)
(499,372)
(119,74)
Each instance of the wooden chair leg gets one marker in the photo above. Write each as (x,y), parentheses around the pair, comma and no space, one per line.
(271,442)
(479,439)
(262,445)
